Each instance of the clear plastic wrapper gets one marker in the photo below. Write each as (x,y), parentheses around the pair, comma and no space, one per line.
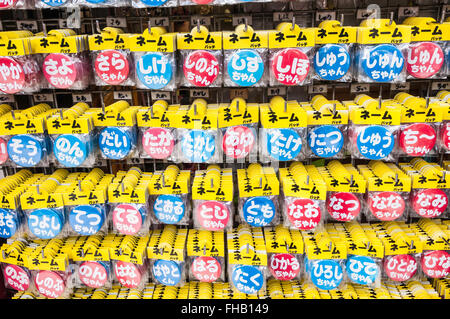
(325,274)
(259,211)
(67,70)
(212,215)
(155,70)
(327,141)
(86,220)
(199,146)
(29,150)
(290,66)
(435,263)
(386,206)
(153,3)
(201,68)
(129,219)
(47,223)
(373,142)
(282,144)
(429,203)
(113,67)
(426,60)
(157,142)
(93,274)
(53,284)
(344,206)
(240,141)
(302,213)
(284,266)
(418,139)
(103,3)
(74,150)
(21,74)
(401,268)
(168,272)
(364,270)
(206,269)
(12,223)
(200,2)
(117,142)
(333,62)
(245,68)
(129,275)
(170,209)
(239,278)
(17,277)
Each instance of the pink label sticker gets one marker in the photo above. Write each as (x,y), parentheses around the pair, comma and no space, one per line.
(284,266)
(343,207)
(202,1)
(386,205)
(238,141)
(49,283)
(3,151)
(417,139)
(201,68)
(424,59)
(127,219)
(304,214)
(212,215)
(12,76)
(206,268)
(112,67)
(93,274)
(435,263)
(290,66)
(6,4)
(430,203)
(59,70)
(16,277)
(400,267)
(128,274)
(158,142)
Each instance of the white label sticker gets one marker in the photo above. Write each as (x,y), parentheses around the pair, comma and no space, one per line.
(446,8)
(135,161)
(435,86)
(82,98)
(241,20)
(243,93)
(160,95)
(400,86)
(359,88)
(408,11)
(38,98)
(29,25)
(313,89)
(363,14)
(116,22)
(159,22)
(201,20)
(325,15)
(282,16)
(6,98)
(195,93)
(123,95)
(276,91)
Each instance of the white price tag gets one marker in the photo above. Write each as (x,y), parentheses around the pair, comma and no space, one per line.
(400,86)
(86,98)
(199,93)
(116,22)
(362,14)
(200,19)
(39,98)
(6,98)
(317,89)
(325,15)
(408,11)
(436,86)
(100,162)
(282,16)
(241,20)
(160,95)
(133,161)
(242,93)
(276,91)
(29,25)
(159,22)
(446,8)
(359,88)
(123,95)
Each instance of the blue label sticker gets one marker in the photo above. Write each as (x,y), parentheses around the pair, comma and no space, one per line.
(332,62)
(54,3)
(154,3)
(70,150)
(167,272)
(245,67)
(283,144)
(259,211)
(325,274)
(115,142)
(97,1)
(198,146)
(86,219)
(362,270)
(45,223)
(383,63)
(247,279)
(154,70)
(169,209)
(326,140)
(8,223)
(375,142)
(25,150)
